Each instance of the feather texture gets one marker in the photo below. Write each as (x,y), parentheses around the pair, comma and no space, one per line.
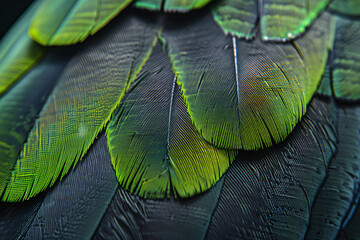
(153,143)
(340,189)
(77,111)
(16,218)
(18,53)
(352,231)
(286,19)
(325,88)
(20,107)
(347,7)
(346,61)
(75,207)
(66,22)
(131,217)
(306,186)
(237,17)
(269,194)
(171,5)
(249,94)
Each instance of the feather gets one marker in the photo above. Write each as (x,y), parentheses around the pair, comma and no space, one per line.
(325,88)
(76,205)
(346,7)
(64,22)
(237,17)
(346,60)
(132,217)
(18,53)
(286,19)
(265,194)
(340,188)
(268,194)
(20,107)
(16,218)
(171,5)
(153,143)
(352,230)
(77,111)
(273,193)
(240,94)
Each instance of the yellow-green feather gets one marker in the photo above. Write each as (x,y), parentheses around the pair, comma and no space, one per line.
(81,104)
(237,17)
(250,94)
(286,19)
(149,4)
(171,5)
(18,53)
(20,106)
(65,22)
(196,165)
(153,143)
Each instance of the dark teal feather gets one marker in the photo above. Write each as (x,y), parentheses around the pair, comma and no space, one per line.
(269,194)
(334,202)
(305,187)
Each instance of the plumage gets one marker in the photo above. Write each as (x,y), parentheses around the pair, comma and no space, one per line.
(19,108)
(270,198)
(340,188)
(287,19)
(171,5)
(232,119)
(325,87)
(131,217)
(351,230)
(82,109)
(237,17)
(66,213)
(18,53)
(70,21)
(346,59)
(248,104)
(164,152)
(346,7)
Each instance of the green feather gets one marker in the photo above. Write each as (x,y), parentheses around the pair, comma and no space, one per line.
(64,22)
(19,108)
(314,47)
(171,5)
(237,17)
(347,7)
(346,62)
(81,104)
(153,144)
(246,95)
(149,4)
(286,19)
(18,53)
(325,84)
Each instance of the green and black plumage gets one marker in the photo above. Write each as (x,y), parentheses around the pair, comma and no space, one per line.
(154,119)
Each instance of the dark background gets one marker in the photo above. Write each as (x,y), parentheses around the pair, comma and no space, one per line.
(10,10)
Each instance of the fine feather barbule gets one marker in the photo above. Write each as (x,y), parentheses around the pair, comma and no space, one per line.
(81,104)
(154,145)
(339,194)
(245,94)
(304,186)
(268,194)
